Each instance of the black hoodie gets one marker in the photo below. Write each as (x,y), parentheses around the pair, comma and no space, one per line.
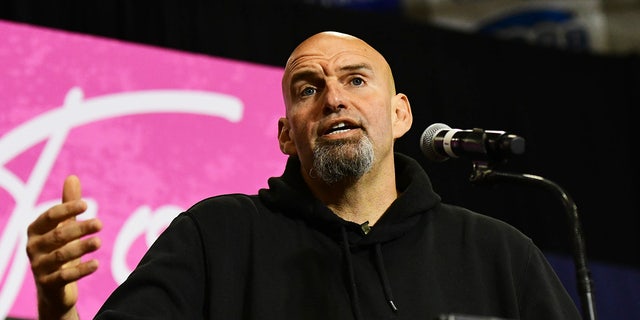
(282,254)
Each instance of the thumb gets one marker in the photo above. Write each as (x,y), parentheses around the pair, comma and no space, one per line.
(71,189)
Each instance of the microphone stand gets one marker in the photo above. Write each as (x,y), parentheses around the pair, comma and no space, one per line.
(483,172)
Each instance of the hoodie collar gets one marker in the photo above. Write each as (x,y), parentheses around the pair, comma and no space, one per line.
(290,195)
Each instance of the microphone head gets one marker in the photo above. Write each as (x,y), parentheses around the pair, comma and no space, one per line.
(427,144)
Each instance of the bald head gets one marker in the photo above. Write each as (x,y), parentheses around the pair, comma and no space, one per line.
(331,46)
(328,42)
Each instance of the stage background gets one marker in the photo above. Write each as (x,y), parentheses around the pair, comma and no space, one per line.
(574,108)
(148,131)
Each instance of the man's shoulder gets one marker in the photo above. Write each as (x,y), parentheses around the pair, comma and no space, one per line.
(482,225)
(231,200)
(233,207)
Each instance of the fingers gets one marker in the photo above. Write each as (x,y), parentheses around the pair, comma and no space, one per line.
(75,273)
(60,236)
(63,265)
(56,240)
(55,215)
(71,189)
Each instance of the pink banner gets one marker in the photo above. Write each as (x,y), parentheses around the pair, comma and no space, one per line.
(149,131)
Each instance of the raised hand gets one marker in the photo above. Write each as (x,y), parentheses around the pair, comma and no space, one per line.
(56,243)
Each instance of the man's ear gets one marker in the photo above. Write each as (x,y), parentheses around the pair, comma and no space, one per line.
(402,117)
(287,146)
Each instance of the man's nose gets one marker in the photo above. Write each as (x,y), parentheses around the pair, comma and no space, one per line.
(334,98)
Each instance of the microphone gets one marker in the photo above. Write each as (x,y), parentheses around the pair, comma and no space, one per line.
(439,142)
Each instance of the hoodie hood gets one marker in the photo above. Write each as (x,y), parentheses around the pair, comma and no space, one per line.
(290,195)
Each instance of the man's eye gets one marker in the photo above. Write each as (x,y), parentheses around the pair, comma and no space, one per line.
(357,81)
(308,91)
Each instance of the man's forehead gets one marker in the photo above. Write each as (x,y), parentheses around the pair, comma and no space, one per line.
(334,62)
(334,53)
(329,46)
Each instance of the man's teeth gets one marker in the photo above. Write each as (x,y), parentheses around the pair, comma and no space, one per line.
(338,131)
(340,127)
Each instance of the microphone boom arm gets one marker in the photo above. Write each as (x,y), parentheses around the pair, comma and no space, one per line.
(482,173)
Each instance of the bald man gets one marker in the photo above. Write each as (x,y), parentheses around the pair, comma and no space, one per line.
(351,230)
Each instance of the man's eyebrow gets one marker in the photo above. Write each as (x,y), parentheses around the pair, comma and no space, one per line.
(301,75)
(310,74)
(356,67)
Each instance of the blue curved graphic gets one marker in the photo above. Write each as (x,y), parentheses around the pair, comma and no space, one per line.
(527,19)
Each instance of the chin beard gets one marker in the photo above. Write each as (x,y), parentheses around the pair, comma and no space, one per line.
(339,160)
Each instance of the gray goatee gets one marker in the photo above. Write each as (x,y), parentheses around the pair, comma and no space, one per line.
(338,160)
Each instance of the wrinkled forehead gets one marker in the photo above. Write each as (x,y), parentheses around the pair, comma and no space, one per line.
(332,48)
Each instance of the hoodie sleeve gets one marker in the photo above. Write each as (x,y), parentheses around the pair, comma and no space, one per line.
(169,281)
(542,295)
